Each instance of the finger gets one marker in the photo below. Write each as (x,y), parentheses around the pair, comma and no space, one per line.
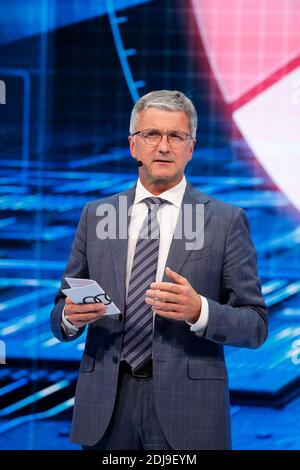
(79,324)
(82,319)
(166,286)
(84,308)
(164,296)
(168,314)
(68,300)
(91,318)
(85,316)
(165,306)
(176,277)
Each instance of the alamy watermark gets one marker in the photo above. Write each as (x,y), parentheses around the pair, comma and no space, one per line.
(2,92)
(295,352)
(113,224)
(2,352)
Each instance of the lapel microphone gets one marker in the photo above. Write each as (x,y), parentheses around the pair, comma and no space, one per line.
(139,163)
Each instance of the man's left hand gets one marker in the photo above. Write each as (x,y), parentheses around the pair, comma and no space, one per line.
(177,299)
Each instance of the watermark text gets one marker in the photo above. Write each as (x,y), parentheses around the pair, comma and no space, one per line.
(113,224)
(2,352)
(2,92)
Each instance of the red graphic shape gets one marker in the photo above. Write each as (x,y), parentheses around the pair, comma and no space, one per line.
(248,41)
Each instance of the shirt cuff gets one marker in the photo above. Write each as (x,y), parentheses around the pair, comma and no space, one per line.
(68,328)
(201,324)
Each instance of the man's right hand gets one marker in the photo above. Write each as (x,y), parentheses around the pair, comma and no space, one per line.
(82,314)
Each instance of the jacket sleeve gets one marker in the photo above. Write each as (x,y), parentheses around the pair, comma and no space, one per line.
(242,319)
(77,266)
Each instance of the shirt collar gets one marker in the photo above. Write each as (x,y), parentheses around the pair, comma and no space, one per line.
(173,195)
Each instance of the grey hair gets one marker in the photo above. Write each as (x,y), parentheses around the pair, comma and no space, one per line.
(169,100)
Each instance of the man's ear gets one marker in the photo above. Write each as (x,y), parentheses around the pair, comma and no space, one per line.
(192,147)
(131,141)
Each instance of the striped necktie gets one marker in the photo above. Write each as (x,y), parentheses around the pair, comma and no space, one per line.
(138,327)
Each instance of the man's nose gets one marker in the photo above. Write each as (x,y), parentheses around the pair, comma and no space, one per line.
(164,146)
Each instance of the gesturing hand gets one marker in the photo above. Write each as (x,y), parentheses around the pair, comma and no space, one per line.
(177,300)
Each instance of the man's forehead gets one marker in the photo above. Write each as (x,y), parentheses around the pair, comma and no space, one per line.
(162,118)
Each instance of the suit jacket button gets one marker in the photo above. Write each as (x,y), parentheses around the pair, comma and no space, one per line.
(120,318)
(115,360)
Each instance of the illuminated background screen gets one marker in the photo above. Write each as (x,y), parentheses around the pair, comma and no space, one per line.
(72,71)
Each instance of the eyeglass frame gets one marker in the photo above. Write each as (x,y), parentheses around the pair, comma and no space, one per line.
(188,136)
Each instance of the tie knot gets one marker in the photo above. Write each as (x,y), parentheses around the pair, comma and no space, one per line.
(154,203)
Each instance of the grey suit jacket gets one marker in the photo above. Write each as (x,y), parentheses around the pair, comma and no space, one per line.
(189,373)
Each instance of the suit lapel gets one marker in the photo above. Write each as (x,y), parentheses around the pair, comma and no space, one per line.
(178,252)
(119,246)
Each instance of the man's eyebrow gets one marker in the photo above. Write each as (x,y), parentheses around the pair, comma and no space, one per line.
(159,130)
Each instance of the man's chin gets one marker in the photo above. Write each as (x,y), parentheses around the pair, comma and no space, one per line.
(162,175)
(163,178)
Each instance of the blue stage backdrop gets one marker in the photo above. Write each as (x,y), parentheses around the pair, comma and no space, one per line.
(70,71)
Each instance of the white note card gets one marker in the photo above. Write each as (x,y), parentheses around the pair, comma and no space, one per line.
(87,291)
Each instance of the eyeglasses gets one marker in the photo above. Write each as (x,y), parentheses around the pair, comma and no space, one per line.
(153,137)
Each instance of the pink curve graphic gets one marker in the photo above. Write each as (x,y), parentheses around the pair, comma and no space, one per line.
(253,47)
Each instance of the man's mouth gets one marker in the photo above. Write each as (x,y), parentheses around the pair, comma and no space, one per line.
(158,160)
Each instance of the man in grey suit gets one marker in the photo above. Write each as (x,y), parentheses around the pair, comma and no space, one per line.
(154,376)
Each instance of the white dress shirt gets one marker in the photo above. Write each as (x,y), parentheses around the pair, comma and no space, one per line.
(167,217)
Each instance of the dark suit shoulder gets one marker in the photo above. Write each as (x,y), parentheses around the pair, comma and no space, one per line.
(224,208)
(113,199)
(219,207)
